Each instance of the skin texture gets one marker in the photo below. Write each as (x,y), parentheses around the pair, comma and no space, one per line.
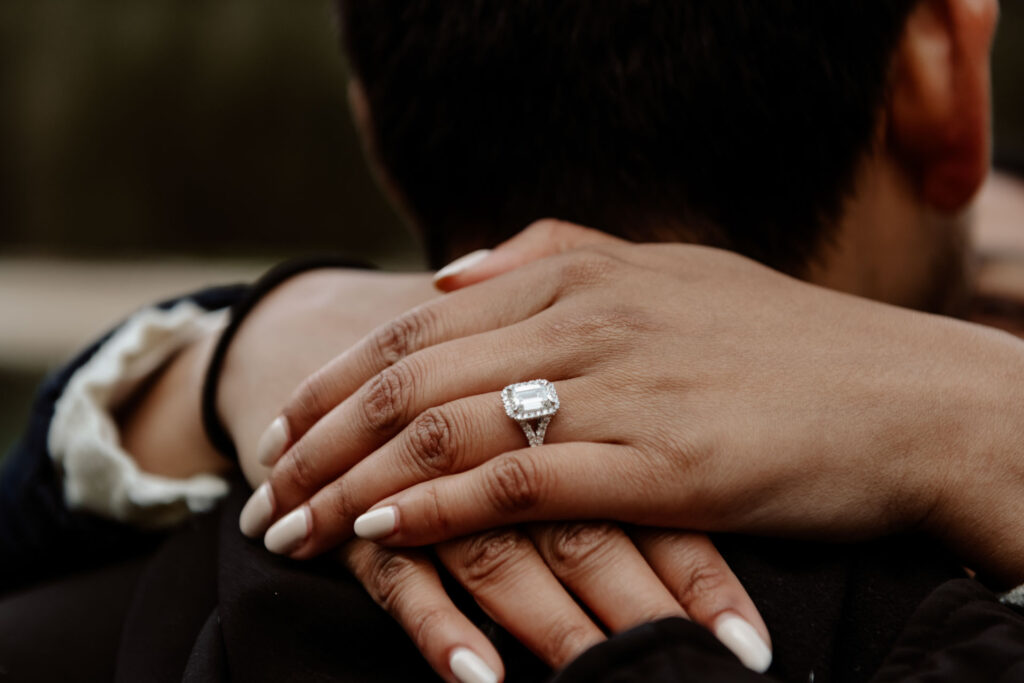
(930,158)
(900,240)
(855,419)
(625,578)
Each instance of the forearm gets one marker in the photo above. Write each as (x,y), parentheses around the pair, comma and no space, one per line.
(161,427)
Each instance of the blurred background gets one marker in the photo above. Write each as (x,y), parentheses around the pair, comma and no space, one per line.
(149,147)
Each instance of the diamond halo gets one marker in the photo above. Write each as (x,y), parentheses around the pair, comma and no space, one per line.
(532,400)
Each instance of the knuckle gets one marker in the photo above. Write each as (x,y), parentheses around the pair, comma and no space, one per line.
(701,580)
(692,448)
(436,512)
(563,642)
(341,503)
(485,557)
(545,227)
(514,484)
(388,573)
(587,266)
(425,624)
(432,442)
(551,231)
(387,398)
(299,472)
(402,336)
(314,396)
(571,546)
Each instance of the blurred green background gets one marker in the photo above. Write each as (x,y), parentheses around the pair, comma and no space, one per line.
(218,128)
(142,137)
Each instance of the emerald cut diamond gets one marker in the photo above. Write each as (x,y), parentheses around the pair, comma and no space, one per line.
(530,400)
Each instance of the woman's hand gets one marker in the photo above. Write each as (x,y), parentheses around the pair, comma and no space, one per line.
(516,576)
(699,390)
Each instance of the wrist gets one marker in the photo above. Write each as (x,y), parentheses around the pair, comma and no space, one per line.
(976,464)
(161,426)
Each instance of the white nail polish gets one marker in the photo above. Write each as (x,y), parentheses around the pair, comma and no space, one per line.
(272,441)
(375,523)
(289,532)
(257,512)
(745,642)
(469,668)
(462,263)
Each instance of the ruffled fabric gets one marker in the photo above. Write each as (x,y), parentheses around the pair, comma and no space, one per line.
(99,475)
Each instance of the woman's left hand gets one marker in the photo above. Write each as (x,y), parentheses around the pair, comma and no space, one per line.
(698,390)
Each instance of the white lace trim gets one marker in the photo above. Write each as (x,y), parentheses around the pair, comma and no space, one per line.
(99,475)
(1013,597)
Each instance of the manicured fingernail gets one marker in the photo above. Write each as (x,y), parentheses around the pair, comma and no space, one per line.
(469,668)
(745,642)
(375,523)
(462,263)
(289,532)
(272,441)
(257,511)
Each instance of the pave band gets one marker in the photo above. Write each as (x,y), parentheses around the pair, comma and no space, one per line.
(529,402)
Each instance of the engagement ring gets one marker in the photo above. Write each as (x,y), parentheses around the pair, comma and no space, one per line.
(531,401)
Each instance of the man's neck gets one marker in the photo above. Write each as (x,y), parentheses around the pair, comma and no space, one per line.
(890,247)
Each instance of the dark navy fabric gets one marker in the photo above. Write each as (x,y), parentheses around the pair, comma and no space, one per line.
(39,536)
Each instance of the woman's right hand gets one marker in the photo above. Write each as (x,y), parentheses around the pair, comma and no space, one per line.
(520,579)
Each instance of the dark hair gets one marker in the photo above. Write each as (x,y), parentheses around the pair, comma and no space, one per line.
(735,122)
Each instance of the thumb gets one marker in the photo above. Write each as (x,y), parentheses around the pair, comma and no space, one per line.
(542,238)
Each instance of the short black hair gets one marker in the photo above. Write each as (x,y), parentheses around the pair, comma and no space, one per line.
(739,121)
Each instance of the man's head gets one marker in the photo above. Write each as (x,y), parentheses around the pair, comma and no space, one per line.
(737,123)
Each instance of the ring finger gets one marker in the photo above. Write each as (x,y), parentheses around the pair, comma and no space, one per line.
(451,438)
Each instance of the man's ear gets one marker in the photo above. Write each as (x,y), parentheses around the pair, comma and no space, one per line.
(938,121)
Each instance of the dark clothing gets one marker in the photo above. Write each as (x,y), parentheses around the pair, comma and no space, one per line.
(39,536)
(202,603)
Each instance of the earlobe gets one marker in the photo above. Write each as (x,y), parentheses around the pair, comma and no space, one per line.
(939,110)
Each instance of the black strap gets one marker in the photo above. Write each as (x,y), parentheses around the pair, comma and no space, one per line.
(215,430)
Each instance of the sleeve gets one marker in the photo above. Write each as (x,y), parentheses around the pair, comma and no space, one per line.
(961,632)
(67,487)
(83,440)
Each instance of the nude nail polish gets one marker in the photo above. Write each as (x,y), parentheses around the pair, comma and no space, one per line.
(289,532)
(469,668)
(375,523)
(257,512)
(462,263)
(745,642)
(271,444)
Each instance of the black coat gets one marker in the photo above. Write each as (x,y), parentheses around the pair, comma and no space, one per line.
(87,599)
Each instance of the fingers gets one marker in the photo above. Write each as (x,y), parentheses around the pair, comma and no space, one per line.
(451,438)
(396,396)
(408,587)
(599,564)
(505,575)
(490,308)
(552,482)
(702,583)
(541,238)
